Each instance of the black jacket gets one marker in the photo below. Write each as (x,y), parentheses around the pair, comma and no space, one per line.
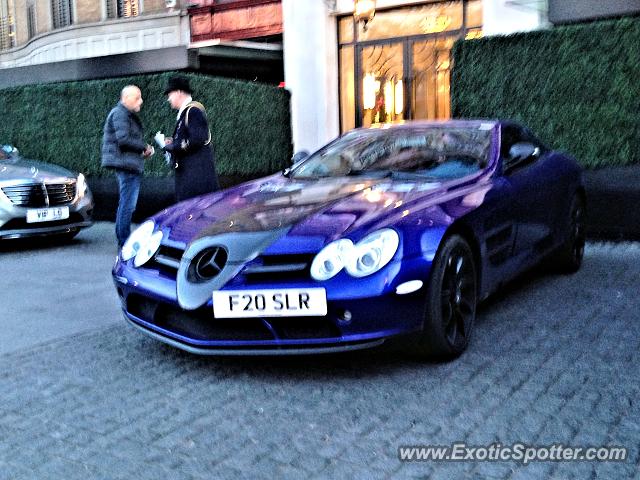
(192,154)
(122,140)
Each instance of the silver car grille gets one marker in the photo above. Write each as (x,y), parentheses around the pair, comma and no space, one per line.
(41,194)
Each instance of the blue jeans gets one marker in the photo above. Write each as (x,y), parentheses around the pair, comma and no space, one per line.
(129,187)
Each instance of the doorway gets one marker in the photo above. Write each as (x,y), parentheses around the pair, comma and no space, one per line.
(398,66)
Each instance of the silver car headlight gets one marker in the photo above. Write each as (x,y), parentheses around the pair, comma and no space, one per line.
(331,259)
(142,244)
(81,185)
(372,253)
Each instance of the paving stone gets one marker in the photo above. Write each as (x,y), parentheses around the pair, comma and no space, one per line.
(553,360)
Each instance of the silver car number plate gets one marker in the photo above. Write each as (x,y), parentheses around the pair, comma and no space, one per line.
(35,215)
(288,302)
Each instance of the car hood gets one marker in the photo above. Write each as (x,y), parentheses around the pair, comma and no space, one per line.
(309,213)
(31,170)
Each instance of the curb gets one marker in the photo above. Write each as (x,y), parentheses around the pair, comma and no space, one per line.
(613,203)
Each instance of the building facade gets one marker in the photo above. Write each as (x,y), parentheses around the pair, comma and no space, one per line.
(347,63)
(45,31)
(346,71)
(60,40)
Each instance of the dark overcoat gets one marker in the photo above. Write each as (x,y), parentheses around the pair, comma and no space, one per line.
(192,154)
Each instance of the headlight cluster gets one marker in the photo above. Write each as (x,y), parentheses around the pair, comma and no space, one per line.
(142,244)
(364,258)
(81,185)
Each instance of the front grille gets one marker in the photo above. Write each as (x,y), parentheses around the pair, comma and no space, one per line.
(298,328)
(35,195)
(196,324)
(31,195)
(167,260)
(279,267)
(61,193)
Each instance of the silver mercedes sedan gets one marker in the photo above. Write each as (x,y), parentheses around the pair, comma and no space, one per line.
(39,198)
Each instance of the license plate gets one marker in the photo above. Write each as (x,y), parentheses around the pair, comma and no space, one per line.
(289,302)
(35,215)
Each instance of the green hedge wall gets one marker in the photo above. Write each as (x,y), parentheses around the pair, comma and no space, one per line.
(577,87)
(62,123)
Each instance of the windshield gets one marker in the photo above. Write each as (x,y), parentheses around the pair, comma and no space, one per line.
(436,152)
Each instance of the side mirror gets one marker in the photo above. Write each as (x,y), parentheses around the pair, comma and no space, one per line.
(299,156)
(7,151)
(523,151)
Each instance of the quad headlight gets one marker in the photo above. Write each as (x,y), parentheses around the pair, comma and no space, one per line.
(331,259)
(142,244)
(364,258)
(372,253)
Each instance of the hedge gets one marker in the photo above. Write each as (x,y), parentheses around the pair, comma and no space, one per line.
(577,87)
(62,122)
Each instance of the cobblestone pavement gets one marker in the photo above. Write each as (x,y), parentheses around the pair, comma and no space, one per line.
(553,360)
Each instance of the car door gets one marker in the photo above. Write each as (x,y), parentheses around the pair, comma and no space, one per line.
(534,196)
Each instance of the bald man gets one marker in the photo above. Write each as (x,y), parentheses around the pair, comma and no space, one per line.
(124,151)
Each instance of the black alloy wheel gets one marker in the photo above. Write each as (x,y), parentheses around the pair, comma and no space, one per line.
(568,258)
(451,301)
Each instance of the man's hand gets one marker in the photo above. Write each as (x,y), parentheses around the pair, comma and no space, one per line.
(148,151)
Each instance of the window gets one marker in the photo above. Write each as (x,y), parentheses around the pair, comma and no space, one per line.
(7,27)
(61,13)
(123,8)
(31,21)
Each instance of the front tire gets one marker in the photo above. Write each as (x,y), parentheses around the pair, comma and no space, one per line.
(568,258)
(451,301)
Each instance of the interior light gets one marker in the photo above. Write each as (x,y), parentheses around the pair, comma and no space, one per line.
(388,97)
(369,91)
(399,98)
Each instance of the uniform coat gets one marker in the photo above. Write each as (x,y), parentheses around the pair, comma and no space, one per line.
(192,154)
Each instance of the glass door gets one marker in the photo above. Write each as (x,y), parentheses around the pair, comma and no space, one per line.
(431,71)
(382,86)
(398,67)
(404,80)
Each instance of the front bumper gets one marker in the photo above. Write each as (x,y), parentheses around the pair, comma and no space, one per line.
(13,222)
(353,321)
(254,350)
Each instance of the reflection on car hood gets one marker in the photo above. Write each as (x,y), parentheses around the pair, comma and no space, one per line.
(22,169)
(313,211)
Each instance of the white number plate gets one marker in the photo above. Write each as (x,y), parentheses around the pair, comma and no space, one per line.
(35,215)
(288,302)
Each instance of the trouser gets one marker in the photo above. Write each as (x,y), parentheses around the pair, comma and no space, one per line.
(128,188)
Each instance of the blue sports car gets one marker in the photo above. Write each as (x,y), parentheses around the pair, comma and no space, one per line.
(384,232)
